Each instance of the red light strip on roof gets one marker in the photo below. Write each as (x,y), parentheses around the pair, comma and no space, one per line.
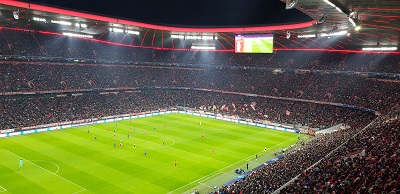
(153,26)
(339,51)
(227,50)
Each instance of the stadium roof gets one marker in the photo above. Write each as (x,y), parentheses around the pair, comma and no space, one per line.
(379,19)
(204,13)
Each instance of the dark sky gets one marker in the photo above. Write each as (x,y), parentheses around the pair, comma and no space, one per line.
(188,12)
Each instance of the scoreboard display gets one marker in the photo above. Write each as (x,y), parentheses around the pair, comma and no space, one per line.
(254,43)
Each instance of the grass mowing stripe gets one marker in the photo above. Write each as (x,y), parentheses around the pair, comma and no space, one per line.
(101,168)
(209,176)
(85,164)
(74,171)
(81,188)
(11,176)
(102,153)
(84,133)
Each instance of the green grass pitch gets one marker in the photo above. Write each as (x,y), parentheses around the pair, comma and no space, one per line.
(72,161)
(262,46)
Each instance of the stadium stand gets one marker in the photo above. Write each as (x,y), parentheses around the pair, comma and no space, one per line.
(365,163)
(45,109)
(333,87)
(362,159)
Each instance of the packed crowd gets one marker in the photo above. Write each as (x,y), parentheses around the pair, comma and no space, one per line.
(346,161)
(18,112)
(347,89)
(330,87)
(366,163)
(362,163)
(28,43)
(271,177)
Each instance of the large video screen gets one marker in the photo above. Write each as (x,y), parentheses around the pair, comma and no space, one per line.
(254,43)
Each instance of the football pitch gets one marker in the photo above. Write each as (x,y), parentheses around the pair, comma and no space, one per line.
(172,153)
(262,46)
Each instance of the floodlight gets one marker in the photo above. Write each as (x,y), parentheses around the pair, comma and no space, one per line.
(203,47)
(322,20)
(307,36)
(324,35)
(290,4)
(61,22)
(116,30)
(193,37)
(379,49)
(77,35)
(207,37)
(339,6)
(39,19)
(16,14)
(356,23)
(344,32)
(331,4)
(177,36)
(132,32)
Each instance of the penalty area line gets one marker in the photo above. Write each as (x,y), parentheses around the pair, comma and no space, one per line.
(82,188)
(58,168)
(206,185)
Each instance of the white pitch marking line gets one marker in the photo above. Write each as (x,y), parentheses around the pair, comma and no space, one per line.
(165,146)
(170,146)
(58,168)
(83,189)
(229,174)
(79,191)
(205,185)
(4,190)
(213,174)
